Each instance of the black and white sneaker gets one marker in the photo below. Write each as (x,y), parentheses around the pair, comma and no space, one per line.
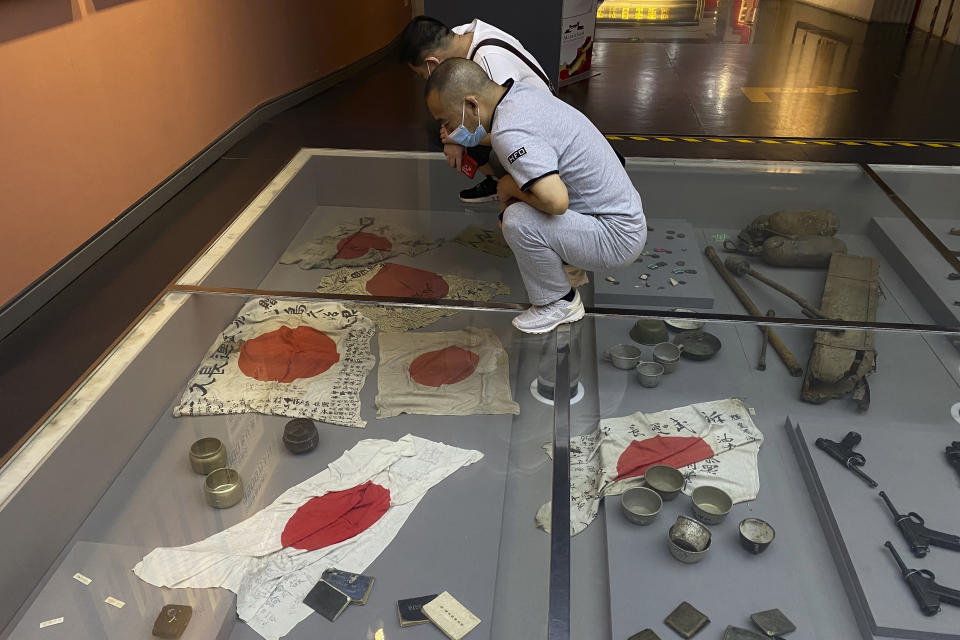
(486,191)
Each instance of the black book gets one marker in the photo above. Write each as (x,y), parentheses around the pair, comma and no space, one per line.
(410,610)
(327,600)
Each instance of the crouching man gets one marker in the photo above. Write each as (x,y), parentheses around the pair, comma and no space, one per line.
(566,198)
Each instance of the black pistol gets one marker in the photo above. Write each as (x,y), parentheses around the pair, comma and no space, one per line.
(953,455)
(843,453)
(918,537)
(924,586)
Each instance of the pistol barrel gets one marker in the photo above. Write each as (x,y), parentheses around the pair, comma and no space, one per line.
(889,504)
(896,556)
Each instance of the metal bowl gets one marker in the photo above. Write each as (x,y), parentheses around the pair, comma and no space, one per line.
(206,455)
(668,355)
(665,480)
(649,331)
(649,373)
(623,356)
(697,345)
(223,488)
(756,535)
(641,505)
(689,540)
(682,324)
(710,504)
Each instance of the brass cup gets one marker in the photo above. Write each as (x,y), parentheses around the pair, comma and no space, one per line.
(223,488)
(206,455)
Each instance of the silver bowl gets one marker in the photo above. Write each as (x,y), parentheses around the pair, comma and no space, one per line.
(689,540)
(668,355)
(623,356)
(665,480)
(756,535)
(641,505)
(710,504)
(650,373)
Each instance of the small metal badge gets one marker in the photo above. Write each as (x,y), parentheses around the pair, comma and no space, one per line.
(736,633)
(172,620)
(686,620)
(773,622)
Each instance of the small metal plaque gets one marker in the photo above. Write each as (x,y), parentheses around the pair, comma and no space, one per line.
(172,620)
(736,633)
(686,620)
(773,622)
(646,634)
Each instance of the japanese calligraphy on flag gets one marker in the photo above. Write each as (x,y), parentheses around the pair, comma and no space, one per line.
(342,518)
(301,360)
(714,443)
(358,244)
(449,373)
(397,280)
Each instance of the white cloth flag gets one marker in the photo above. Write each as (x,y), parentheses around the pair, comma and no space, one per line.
(300,360)
(449,373)
(714,443)
(343,518)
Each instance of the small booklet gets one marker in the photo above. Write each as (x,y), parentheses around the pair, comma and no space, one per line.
(410,611)
(327,600)
(451,617)
(356,586)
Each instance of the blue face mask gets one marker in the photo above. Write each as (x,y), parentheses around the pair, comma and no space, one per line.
(466,138)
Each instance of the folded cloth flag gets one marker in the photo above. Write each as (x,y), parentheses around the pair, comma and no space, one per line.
(714,443)
(448,373)
(357,244)
(306,360)
(397,280)
(343,518)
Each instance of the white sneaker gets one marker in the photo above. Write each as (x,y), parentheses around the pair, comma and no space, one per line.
(549,316)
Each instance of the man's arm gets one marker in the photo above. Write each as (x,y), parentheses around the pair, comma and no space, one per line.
(548,194)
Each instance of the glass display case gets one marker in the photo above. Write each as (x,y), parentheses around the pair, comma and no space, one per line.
(441,448)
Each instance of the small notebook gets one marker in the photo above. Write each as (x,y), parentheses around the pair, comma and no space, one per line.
(451,617)
(410,610)
(356,586)
(327,600)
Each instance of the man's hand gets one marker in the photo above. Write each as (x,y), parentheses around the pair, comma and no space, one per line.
(454,154)
(507,189)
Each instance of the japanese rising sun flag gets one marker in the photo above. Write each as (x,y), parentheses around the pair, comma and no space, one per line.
(714,443)
(342,518)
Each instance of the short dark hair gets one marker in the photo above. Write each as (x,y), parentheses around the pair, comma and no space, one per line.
(421,37)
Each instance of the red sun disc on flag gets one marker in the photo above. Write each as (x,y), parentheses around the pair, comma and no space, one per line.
(446,366)
(397,280)
(286,354)
(359,243)
(335,517)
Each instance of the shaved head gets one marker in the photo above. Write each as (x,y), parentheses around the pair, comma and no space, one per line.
(456,78)
(459,92)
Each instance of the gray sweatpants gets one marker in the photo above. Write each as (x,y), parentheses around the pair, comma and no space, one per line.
(542,242)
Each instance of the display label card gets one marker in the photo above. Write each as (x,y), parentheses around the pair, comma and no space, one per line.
(79,577)
(451,617)
(50,623)
(113,602)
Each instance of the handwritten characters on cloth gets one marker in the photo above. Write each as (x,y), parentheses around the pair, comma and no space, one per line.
(451,373)
(714,443)
(358,244)
(342,518)
(301,360)
(396,280)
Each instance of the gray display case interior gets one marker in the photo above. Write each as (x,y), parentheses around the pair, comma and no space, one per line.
(114,481)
